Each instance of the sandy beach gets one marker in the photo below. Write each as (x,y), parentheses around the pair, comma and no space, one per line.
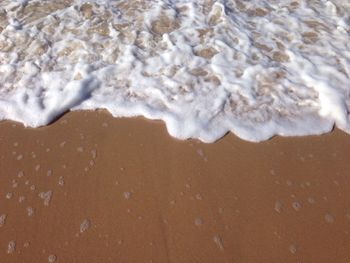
(92,188)
(78,185)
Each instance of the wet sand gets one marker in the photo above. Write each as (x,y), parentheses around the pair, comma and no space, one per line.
(91,188)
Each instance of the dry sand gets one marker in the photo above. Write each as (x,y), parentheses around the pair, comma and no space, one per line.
(90,188)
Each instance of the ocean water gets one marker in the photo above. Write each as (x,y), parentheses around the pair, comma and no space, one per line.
(255,68)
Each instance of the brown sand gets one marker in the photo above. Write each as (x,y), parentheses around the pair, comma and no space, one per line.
(124,191)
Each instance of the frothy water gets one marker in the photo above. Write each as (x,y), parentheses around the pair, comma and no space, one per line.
(255,68)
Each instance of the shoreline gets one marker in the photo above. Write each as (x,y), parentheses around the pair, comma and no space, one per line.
(90,188)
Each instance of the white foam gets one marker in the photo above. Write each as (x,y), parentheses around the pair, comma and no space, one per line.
(256,68)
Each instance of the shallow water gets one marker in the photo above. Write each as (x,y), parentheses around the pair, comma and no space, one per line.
(255,68)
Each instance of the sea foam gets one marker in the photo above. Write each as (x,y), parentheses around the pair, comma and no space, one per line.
(256,68)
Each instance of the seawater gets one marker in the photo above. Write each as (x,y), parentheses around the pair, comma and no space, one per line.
(255,68)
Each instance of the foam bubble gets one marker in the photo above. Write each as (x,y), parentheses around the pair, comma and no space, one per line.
(293,249)
(218,242)
(198,221)
(30,211)
(52,258)
(11,247)
(85,225)
(329,218)
(3,219)
(127,195)
(46,197)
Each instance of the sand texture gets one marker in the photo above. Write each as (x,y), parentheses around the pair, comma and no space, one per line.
(91,188)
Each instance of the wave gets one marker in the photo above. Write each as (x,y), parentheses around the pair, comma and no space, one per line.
(254,68)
